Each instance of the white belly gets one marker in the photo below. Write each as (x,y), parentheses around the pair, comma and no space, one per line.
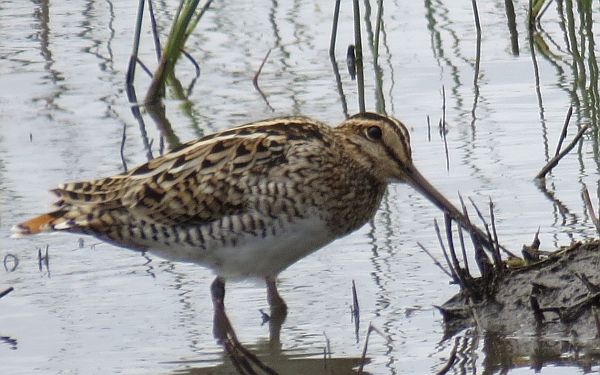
(254,255)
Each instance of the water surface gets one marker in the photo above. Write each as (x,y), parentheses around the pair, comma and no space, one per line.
(102,309)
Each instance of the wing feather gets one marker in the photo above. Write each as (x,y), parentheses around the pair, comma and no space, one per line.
(201,182)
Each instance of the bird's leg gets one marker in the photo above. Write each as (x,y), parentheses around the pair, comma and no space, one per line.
(217,290)
(241,357)
(277,304)
(222,329)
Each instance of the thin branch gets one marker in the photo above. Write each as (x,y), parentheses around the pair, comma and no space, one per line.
(495,253)
(155,34)
(435,261)
(554,161)
(336,15)
(359,57)
(130,76)
(379,21)
(495,239)
(255,80)
(144,67)
(439,236)
(443,128)
(451,250)
(6,291)
(122,151)
(481,258)
(364,353)
(463,249)
(588,204)
(563,134)
(355,310)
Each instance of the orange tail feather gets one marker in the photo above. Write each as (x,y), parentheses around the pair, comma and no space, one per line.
(36,225)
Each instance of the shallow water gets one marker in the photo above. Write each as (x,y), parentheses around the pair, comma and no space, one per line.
(101,309)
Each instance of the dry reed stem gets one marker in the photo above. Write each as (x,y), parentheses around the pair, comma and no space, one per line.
(435,261)
(336,15)
(255,80)
(554,161)
(359,57)
(6,291)
(364,353)
(563,133)
(588,204)
(455,277)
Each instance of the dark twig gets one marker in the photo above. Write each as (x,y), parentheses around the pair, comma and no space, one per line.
(355,311)
(428,129)
(130,76)
(192,60)
(144,67)
(340,89)
(443,109)
(122,150)
(481,258)
(439,236)
(495,254)
(255,80)
(476,15)
(563,134)
(6,291)
(495,234)
(477,64)
(364,353)
(478,55)
(351,61)
(336,15)
(379,21)
(487,229)
(554,161)
(463,249)
(327,345)
(541,13)
(512,26)
(359,57)
(155,34)
(588,204)
(458,269)
(443,129)
(435,261)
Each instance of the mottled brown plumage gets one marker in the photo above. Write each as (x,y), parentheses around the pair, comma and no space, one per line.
(247,201)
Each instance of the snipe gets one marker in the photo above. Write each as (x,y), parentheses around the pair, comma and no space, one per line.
(248,201)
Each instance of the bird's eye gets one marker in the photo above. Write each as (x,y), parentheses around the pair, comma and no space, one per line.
(374,133)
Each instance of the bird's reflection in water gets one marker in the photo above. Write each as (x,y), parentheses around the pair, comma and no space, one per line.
(272,359)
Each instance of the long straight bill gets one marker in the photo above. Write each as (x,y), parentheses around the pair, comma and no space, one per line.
(419,183)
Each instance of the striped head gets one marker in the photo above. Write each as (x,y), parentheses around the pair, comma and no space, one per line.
(378,143)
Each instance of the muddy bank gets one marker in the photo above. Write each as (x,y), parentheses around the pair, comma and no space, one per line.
(545,310)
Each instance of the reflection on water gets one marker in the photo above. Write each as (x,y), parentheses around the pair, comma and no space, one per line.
(502,353)
(65,115)
(284,364)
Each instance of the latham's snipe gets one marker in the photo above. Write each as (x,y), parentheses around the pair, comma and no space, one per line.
(248,201)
